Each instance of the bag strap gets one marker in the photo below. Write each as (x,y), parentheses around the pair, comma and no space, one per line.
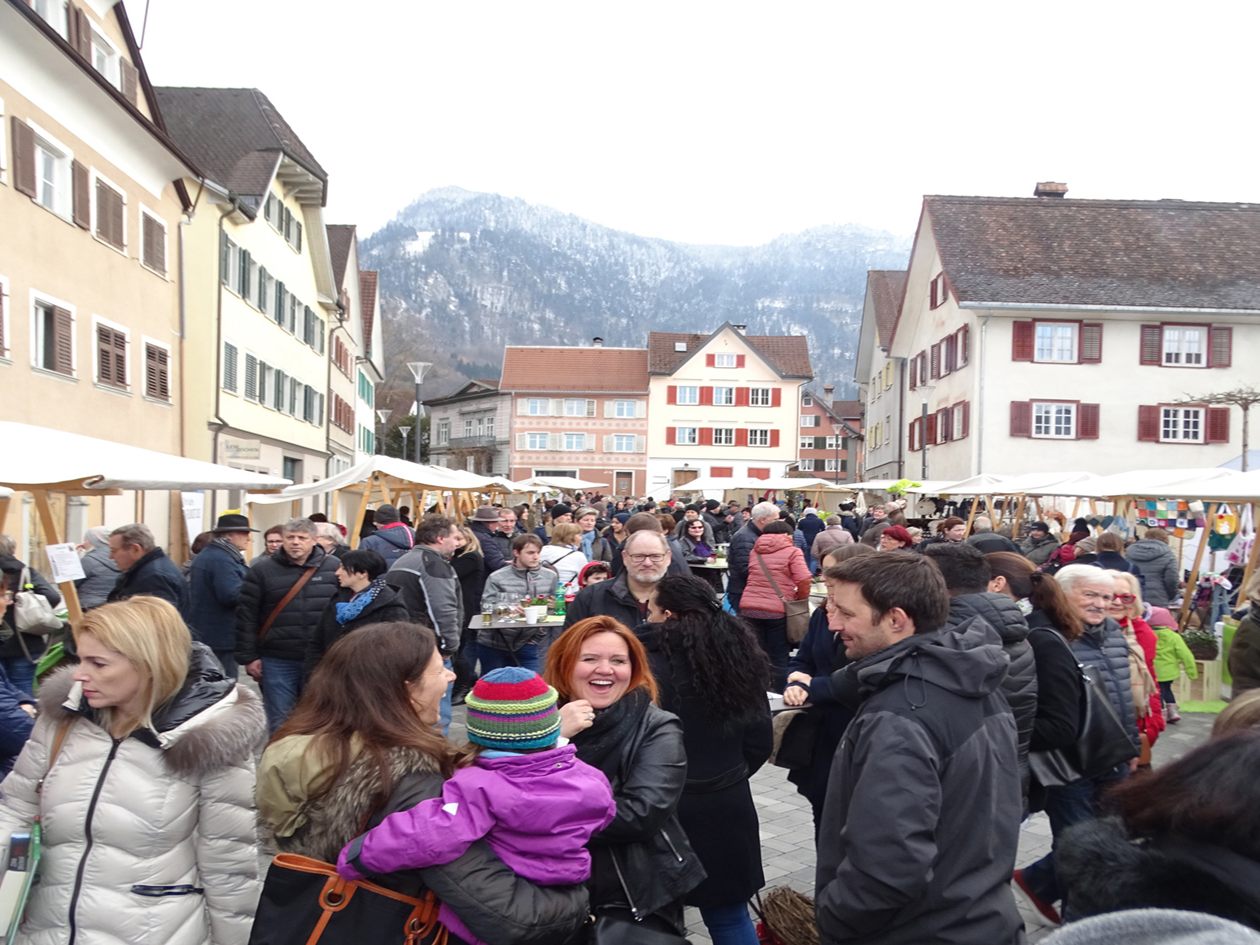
(300,583)
(58,740)
(774,585)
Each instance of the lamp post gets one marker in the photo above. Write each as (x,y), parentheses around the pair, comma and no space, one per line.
(383,416)
(404,431)
(836,477)
(418,370)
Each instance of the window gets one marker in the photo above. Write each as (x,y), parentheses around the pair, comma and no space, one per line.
(689,395)
(1054,421)
(444,432)
(835,465)
(577,407)
(724,360)
(724,396)
(231,381)
(367,391)
(805,465)
(52,176)
(723,436)
(536,441)
(625,409)
(939,291)
(686,436)
(110,212)
(157,371)
(1195,346)
(623,443)
(1184,346)
(468,426)
(759,397)
(807,401)
(960,420)
(490,426)
(806,443)
(574,441)
(758,437)
(54,337)
(1048,342)
(537,407)
(54,13)
(811,420)
(1055,341)
(105,59)
(1181,424)
(4,148)
(153,242)
(111,355)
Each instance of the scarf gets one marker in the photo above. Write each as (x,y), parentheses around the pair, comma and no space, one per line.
(230,548)
(588,543)
(602,745)
(348,610)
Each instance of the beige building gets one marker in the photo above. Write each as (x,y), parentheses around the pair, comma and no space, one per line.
(345,347)
(92,194)
(371,366)
(260,291)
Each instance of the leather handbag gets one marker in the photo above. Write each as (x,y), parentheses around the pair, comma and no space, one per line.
(1101,745)
(795,612)
(305,902)
(622,925)
(795,735)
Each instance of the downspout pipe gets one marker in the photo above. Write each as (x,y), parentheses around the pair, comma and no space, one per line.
(901,413)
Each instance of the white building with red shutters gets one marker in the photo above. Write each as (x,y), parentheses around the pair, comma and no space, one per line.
(725,404)
(1049,333)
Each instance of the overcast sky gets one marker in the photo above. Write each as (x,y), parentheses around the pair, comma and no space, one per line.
(733,122)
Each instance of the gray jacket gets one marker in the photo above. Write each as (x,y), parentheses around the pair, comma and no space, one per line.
(930,861)
(100,574)
(430,590)
(516,584)
(1161,578)
(1102,650)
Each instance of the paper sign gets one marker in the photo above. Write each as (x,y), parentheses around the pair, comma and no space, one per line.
(194,505)
(65,563)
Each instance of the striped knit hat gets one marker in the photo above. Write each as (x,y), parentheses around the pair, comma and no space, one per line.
(512,709)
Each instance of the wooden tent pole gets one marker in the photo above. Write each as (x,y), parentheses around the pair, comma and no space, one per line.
(51,537)
(357,525)
(1193,582)
(971,513)
(4,513)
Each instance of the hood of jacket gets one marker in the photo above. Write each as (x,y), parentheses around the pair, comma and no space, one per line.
(1148,549)
(101,556)
(209,724)
(397,534)
(999,611)
(769,544)
(967,660)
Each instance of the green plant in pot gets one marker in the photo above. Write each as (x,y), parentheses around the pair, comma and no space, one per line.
(1203,644)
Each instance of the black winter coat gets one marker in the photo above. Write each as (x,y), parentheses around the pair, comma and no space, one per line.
(495,548)
(819,655)
(214,590)
(716,809)
(155,575)
(1103,650)
(1161,576)
(810,526)
(737,561)
(607,598)
(391,542)
(1244,654)
(1102,870)
(470,568)
(11,568)
(1020,685)
(386,607)
(268,580)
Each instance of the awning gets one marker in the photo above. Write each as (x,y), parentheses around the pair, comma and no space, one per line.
(398,471)
(777,484)
(557,482)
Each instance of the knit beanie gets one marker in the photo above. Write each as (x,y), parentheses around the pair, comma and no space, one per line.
(1160,617)
(512,709)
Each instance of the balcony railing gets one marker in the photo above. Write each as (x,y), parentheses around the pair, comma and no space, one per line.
(475,442)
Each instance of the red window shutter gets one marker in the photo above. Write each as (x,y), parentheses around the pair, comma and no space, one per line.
(964,345)
(741,436)
(1021,418)
(1217,425)
(721,472)
(1090,350)
(951,354)
(740,360)
(741,396)
(914,373)
(706,436)
(1151,347)
(81,204)
(758,472)
(776,397)
(1023,340)
(671,436)
(913,434)
(710,360)
(706,396)
(930,435)
(935,359)
(671,394)
(23,157)
(1087,421)
(774,438)
(1148,423)
(966,418)
(1221,352)
(943,425)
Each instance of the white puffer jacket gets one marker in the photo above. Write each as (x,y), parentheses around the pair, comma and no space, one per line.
(150,840)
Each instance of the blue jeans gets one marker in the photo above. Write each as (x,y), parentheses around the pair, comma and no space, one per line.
(21,672)
(444,707)
(494,658)
(281,685)
(1065,806)
(729,925)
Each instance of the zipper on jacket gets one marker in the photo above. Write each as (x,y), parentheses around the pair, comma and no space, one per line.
(670,843)
(634,910)
(87,833)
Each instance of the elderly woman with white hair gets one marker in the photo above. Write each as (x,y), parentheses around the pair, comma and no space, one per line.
(100,574)
(1104,652)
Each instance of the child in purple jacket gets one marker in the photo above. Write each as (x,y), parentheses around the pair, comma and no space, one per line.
(535,804)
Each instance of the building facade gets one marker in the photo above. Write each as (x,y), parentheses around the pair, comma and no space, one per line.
(370,371)
(880,377)
(471,429)
(826,445)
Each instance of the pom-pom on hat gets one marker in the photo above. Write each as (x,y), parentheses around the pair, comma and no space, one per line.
(512,709)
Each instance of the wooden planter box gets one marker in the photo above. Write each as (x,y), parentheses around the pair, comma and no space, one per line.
(1207,688)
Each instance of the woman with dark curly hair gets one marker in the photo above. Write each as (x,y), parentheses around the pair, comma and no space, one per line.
(712,674)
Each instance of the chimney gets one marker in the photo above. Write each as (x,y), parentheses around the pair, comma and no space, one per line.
(1049,188)
(597,342)
(740,328)
(829,389)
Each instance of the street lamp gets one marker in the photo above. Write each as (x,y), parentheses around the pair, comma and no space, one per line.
(383,416)
(418,370)
(405,432)
(836,430)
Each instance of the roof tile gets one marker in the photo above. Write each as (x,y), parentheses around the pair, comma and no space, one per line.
(787,354)
(340,239)
(367,295)
(885,287)
(575,369)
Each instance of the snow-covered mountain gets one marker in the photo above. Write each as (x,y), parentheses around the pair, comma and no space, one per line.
(463,274)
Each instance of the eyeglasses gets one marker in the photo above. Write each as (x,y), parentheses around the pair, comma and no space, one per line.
(639,559)
(1124,599)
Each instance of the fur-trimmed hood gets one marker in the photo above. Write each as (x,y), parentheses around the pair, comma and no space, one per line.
(211,723)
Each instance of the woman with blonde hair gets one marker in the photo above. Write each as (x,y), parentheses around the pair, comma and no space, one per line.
(469,565)
(141,770)
(564,554)
(1126,609)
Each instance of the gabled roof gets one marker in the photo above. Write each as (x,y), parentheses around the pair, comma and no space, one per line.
(575,369)
(1131,253)
(340,239)
(885,288)
(787,354)
(367,298)
(478,387)
(847,409)
(236,136)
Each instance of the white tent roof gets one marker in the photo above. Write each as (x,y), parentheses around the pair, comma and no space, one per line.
(1037,484)
(779,484)
(429,477)
(558,482)
(39,456)
(1158,483)
(925,486)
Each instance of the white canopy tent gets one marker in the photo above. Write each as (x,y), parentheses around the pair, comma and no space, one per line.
(560,483)
(778,484)
(1155,483)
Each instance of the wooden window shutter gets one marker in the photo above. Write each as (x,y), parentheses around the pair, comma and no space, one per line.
(710,360)
(930,433)
(774,437)
(741,360)
(1221,351)
(81,204)
(914,434)
(1090,351)
(706,436)
(23,157)
(741,436)
(80,31)
(111,356)
(966,418)
(706,395)
(1151,347)
(741,396)
(1021,418)
(776,397)
(63,341)
(1217,425)
(914,373)
(1087,421)
(671,394)
(671,436)
(943,425)
(1023,341)
(820,442)
(157,381)
(154,243)
(964,345)
(935,361)
(1148,423)
(109,215)
(950,348)
(130,80)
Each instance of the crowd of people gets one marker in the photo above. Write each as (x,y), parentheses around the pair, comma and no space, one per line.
(608,759)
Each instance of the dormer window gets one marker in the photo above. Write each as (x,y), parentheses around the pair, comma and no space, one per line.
(680,346)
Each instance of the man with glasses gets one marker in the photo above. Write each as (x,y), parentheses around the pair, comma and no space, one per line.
(645,560)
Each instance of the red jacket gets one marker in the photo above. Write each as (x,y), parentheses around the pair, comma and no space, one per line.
(787,566)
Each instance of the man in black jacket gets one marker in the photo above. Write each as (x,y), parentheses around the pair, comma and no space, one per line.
(646,559)
(495,548)
(273,626)
(145,568)
(921,822)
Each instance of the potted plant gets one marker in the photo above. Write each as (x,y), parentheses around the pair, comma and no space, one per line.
(1203,644)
